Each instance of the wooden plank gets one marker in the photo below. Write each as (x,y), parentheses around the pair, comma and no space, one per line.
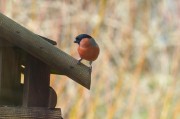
(59,61)
(10,92)
(36,83)
(29,113)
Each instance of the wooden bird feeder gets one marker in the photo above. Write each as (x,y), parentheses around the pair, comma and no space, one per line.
(24,52)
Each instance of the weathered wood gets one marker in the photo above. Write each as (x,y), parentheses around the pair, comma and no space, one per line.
(36,83)
(10,92)
(59,61)
(29,113)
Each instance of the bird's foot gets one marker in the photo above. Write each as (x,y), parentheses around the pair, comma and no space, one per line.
(79,61)
(90,69)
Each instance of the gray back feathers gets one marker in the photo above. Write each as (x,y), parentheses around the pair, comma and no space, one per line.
(93,42)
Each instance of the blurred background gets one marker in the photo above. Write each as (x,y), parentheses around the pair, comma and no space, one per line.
(137,73)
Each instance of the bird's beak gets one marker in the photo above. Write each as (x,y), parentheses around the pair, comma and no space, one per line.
(75,41)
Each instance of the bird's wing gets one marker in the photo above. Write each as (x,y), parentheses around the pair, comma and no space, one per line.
(93,42)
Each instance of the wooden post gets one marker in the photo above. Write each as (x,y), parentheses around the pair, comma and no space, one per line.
(36,83)
(9,75)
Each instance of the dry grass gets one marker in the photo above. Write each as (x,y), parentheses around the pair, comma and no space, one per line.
(137,73)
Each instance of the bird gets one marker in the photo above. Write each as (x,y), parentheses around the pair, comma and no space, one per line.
(88,49)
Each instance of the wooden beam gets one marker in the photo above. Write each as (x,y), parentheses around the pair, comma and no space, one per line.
(57,59)
(29,113)
(36,83)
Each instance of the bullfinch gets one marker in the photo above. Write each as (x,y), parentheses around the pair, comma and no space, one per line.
(88,48)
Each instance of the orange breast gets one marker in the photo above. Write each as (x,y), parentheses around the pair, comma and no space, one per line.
(90,53)
(87,51)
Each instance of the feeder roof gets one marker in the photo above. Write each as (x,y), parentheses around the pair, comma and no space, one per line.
(59,61)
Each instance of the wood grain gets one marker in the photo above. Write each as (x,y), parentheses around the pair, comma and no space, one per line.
(10,93)
(36,83)
(58,60)
(29,113)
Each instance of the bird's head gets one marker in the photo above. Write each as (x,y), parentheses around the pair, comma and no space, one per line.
(80,37)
